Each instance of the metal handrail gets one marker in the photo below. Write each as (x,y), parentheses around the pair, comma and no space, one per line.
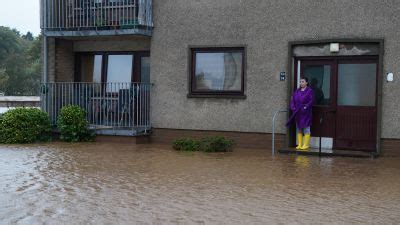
(78,14)
(116,105)
(273,129)
(322,120)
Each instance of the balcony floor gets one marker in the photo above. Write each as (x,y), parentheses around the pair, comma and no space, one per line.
(329,152)
(88,33)
(120,131)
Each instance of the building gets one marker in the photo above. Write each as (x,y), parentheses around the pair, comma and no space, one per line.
(226,67)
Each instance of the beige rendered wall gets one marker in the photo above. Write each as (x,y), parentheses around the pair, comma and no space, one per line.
(265,28)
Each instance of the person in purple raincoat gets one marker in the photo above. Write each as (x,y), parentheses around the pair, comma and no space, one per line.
(301,106)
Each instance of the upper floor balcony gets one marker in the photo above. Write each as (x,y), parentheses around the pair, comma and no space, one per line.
(96,17)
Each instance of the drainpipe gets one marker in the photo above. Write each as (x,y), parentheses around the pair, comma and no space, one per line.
(43,17)
(45,56)
(45,51)
(43,87)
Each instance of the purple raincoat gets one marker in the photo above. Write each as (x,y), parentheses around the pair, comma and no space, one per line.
(301,106)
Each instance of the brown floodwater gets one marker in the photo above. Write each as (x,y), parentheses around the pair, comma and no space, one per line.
(108,183)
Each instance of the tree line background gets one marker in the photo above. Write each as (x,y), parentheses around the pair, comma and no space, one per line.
(20,63)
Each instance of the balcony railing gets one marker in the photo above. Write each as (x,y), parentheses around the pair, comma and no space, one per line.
(116,108)
(96,15)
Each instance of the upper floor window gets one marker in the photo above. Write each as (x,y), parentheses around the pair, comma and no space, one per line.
(217,72)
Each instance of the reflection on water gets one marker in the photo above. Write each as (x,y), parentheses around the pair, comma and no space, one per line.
(128,184)
(303,161)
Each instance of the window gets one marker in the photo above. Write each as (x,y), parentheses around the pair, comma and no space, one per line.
(119,71)
(114,70)
(91,68)
(217,72)
(357,84)
(145,69)
(319,79)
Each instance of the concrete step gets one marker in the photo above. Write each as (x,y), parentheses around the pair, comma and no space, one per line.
(329,152)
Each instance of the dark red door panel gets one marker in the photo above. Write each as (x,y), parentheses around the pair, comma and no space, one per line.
(356,115)
(356,128)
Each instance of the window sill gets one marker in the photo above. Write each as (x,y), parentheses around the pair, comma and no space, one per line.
(216,96)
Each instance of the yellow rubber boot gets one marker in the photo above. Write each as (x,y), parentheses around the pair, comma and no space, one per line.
(299,140)
(306,145)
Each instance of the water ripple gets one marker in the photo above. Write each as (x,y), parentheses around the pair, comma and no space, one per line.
(105,183)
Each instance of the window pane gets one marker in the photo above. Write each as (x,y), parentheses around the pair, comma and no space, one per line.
(97,68)
(119,70)
(357,84)
(218,71)
(145,70)
(91,68)
(319,78)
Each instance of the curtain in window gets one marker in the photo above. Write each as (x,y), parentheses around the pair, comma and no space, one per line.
(145,12)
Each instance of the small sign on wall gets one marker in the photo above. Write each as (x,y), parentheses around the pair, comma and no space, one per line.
(282,76)
(389,77)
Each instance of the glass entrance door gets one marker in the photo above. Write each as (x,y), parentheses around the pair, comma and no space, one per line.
(321,79)
(344,111)
(356,117)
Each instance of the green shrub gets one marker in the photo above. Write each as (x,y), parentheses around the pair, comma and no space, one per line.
(73,125)
(208,144)
(186,144)
(24,125)
(216,144)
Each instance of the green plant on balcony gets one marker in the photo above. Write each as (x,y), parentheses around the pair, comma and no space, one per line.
(128,23)
(100,23)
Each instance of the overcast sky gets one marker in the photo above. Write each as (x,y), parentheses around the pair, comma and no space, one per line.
(21,14)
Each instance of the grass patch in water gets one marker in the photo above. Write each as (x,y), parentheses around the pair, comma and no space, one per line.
(207,144)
